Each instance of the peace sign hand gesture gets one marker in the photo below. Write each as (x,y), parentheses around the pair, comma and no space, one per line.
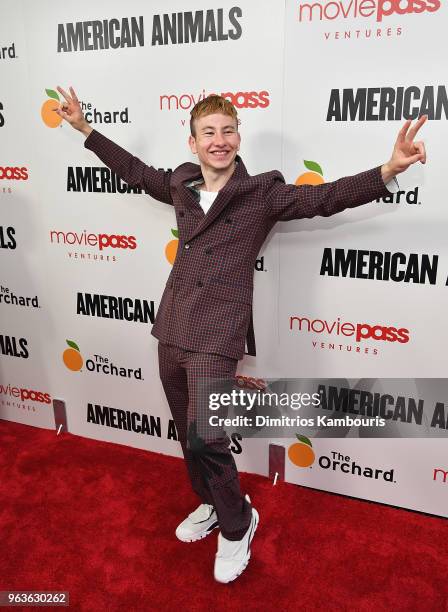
(71,111)
(406,152)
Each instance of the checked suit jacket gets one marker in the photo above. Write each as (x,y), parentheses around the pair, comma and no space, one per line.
(207,302)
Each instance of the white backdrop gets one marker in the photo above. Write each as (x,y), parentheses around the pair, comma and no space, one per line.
(291,59)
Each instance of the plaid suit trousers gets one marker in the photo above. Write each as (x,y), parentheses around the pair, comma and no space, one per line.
(211,467)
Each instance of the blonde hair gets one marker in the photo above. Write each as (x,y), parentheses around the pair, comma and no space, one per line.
(210,105)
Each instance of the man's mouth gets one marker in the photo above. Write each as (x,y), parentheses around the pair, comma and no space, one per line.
(220,153)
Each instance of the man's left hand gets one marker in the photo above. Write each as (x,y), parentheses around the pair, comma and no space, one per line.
(406,152)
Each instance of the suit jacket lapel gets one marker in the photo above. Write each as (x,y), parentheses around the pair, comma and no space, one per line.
(188,197)
(222,199)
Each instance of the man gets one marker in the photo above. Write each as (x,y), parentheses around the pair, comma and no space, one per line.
(223,216)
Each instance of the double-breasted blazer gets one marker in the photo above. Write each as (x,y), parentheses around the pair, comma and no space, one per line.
(207,302)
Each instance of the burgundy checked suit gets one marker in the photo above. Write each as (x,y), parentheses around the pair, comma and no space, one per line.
(205,314)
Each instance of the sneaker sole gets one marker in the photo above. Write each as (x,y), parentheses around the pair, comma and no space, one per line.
(247,559)
(200,535)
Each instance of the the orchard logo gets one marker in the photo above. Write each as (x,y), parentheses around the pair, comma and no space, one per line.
(240,99)
(98,364)
(339,330)
(9,297)
(259,264)
(91,113)
(72,357)
(7,52)
(410,197)
(301,453)
(171,247)
(313,176)
(108,244)
(49,117)
(94,115)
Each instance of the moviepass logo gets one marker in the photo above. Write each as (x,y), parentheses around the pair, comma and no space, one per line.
(100,241)
(440,475)
(357,9)
(25,394)
(359,331)
(13,173)
(239,99)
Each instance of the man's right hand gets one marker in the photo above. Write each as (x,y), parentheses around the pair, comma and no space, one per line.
(71,111)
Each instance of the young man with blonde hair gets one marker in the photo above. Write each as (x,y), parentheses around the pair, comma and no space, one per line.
(205,315)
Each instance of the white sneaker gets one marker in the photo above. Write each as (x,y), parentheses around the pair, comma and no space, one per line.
(233,556)
(198,524)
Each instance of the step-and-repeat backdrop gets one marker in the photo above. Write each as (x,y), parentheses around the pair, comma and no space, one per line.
(321,89)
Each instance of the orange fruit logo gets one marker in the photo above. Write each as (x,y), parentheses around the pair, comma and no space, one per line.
(72,357)
(314,176)
(49,117)
(301,453)
(171,247)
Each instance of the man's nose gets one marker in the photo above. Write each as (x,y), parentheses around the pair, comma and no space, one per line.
(219,139)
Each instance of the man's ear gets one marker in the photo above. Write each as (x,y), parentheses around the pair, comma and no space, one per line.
(192,143)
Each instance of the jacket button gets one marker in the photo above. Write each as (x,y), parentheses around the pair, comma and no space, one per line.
(200,284)
(181,213)
(228,220)
(208,251)
(187,246)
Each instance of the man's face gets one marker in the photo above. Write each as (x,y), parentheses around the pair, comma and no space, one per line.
(217,141)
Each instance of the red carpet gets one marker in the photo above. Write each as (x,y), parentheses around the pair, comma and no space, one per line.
(98,520)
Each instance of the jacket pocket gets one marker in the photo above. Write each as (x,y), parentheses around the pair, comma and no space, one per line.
(229,292)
